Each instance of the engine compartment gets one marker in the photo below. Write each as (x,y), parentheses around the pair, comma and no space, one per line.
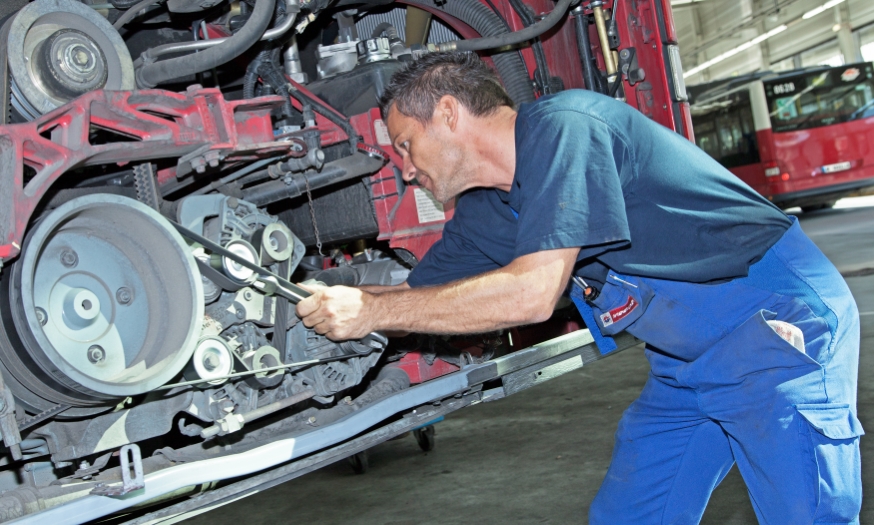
(168,168)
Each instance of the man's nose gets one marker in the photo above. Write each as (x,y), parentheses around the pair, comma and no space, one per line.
(409,172)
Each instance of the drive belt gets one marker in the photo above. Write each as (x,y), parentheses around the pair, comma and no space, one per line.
(267,281)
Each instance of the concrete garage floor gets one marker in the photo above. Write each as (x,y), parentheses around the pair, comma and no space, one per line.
(540,455)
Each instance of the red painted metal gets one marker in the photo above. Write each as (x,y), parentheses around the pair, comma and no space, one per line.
(419,370)
(199,127)
(638,26)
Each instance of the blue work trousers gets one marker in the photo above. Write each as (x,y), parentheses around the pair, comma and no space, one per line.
(725,388)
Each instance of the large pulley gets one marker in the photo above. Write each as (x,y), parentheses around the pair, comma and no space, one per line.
(106,302)
(58,50)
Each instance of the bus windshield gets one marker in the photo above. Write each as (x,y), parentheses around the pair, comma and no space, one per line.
(821,98)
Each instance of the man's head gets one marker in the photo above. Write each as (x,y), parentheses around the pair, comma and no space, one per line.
(423,106)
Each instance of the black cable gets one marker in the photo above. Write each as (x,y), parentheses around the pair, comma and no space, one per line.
(329,114)
(541,75)
(590,73)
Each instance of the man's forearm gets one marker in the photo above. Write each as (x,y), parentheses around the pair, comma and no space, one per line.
(510,296)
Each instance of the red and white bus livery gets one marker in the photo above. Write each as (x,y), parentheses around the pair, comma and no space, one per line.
(804,138)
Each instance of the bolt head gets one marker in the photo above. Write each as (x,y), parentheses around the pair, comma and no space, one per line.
(96,354)
(124,295)
(247,295)
(41,316)
(69,258)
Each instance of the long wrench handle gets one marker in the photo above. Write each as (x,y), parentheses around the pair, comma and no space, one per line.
(286,288)
(294,293)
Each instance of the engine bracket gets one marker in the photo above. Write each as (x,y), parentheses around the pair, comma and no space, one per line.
(130,457)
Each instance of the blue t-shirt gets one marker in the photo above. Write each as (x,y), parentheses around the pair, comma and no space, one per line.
(636,197)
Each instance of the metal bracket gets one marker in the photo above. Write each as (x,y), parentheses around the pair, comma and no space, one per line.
(8,425)
(628,66)
(130,454)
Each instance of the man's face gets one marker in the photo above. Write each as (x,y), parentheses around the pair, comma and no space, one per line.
(430,153)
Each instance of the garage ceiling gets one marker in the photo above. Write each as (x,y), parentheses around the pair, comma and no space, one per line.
(764,34)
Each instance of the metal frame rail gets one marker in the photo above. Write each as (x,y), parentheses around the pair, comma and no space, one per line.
(291,457)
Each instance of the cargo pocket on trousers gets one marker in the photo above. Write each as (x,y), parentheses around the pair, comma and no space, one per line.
(834,437)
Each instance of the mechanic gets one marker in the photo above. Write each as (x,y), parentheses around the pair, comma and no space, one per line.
(752,334)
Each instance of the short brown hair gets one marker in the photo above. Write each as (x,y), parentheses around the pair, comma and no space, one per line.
(416,89)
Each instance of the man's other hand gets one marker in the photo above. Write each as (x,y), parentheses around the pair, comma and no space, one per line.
(337,312)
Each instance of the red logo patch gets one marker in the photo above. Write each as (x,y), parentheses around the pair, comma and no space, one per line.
(617,314)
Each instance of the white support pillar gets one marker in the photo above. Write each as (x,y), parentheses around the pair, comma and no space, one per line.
(848,44)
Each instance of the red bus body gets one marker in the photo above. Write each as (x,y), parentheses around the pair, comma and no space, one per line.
(809,167)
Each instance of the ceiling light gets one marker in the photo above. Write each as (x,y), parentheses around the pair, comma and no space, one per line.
(824,7)
(731,52)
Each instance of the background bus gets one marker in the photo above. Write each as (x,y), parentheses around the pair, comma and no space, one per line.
(804,138)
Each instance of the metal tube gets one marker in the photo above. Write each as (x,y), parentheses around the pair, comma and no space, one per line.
(291,62)
(258,413)
(166,49)
(601,26)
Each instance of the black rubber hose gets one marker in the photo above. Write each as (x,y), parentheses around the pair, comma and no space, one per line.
(134,12)
(585,49)
(496,41)
(485,22)
(151,75)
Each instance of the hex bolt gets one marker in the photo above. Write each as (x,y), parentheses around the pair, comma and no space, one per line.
(247,295)
(312,420)
(240,313)
(124,295)
(96,354)
(41,316)
(69,258)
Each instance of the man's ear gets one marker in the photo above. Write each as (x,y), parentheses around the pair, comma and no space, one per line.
(446,112)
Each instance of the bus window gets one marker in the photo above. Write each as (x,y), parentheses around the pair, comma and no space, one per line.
(724,129)
(821,98)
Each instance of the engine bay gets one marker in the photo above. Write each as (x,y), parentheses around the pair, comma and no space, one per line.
(169,167)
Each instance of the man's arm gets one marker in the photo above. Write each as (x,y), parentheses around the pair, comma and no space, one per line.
(525,291)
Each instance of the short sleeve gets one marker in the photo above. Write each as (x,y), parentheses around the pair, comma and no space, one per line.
(568,187)
(451,258)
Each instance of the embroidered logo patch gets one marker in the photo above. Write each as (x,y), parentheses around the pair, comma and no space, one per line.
(617,314)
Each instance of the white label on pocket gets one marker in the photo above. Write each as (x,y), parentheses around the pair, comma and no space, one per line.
(427,207)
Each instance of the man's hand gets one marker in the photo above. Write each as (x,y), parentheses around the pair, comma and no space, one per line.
(338,312)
